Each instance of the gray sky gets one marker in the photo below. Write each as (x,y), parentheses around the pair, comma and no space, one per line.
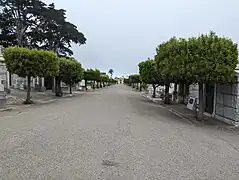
(121,33)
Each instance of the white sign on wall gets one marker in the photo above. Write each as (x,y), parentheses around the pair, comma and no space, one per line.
(192,103)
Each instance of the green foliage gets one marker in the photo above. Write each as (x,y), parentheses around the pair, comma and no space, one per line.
(35,24)
(111,71)
(148,72)
(206,59)
(104,77)
(214,58)
(55,33)
(70,71)
(16,19)
(92,75)
(31,63)
(135,78)
(25,62)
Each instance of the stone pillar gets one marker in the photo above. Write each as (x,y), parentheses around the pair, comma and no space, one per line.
(33,82)
(2,96)
(42,82)
(214,100)
(37,80)
(53,84)
(7,80)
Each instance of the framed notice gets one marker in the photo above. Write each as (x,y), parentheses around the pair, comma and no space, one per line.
(192,103)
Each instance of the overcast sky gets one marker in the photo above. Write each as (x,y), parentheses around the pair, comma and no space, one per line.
(121,33)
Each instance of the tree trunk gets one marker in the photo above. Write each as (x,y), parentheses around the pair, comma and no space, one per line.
(10,79)
(58,87)
(186,93)
(140,88)
(93,85)
(86,85)
(181,93)
(202,99)
(154,91)
(166,98)
(175,93)
(70,89)
(28,100)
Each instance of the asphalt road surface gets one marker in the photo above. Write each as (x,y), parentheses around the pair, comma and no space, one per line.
(112,134)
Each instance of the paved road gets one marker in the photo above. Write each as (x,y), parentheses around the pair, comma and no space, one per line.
(112,134)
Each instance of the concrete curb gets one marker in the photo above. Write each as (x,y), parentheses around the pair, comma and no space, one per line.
(179,114)
(39,102)
(7,109)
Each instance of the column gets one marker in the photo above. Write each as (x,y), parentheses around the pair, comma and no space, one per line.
(214,100)
(42,82)
(33,82)
(37,80)
(7,80)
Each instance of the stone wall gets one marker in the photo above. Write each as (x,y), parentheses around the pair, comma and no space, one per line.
(227,103)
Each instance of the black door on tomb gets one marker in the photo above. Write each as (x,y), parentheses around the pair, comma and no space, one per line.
(209,98)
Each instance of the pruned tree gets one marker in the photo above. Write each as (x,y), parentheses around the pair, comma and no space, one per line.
(31,63)
(213,59)
(206,59)
(149,74)
(135,79)
(91,75)
(70,72)
(105,79)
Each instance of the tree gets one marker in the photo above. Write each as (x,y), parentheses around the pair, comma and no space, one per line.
(70,71)
(111,71)
(54,33)
(16,19)
(213,59)
(33,24)
(149,74)
(166,64)
(91,75)
(30,63)
(206,59)
(105,79)
(135,79)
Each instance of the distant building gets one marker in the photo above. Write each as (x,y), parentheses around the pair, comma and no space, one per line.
(120,80)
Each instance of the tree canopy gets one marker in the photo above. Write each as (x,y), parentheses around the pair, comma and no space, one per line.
(35,24)
(70,72)
(31,63)
(148,72)
(111,71)
(25,62)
